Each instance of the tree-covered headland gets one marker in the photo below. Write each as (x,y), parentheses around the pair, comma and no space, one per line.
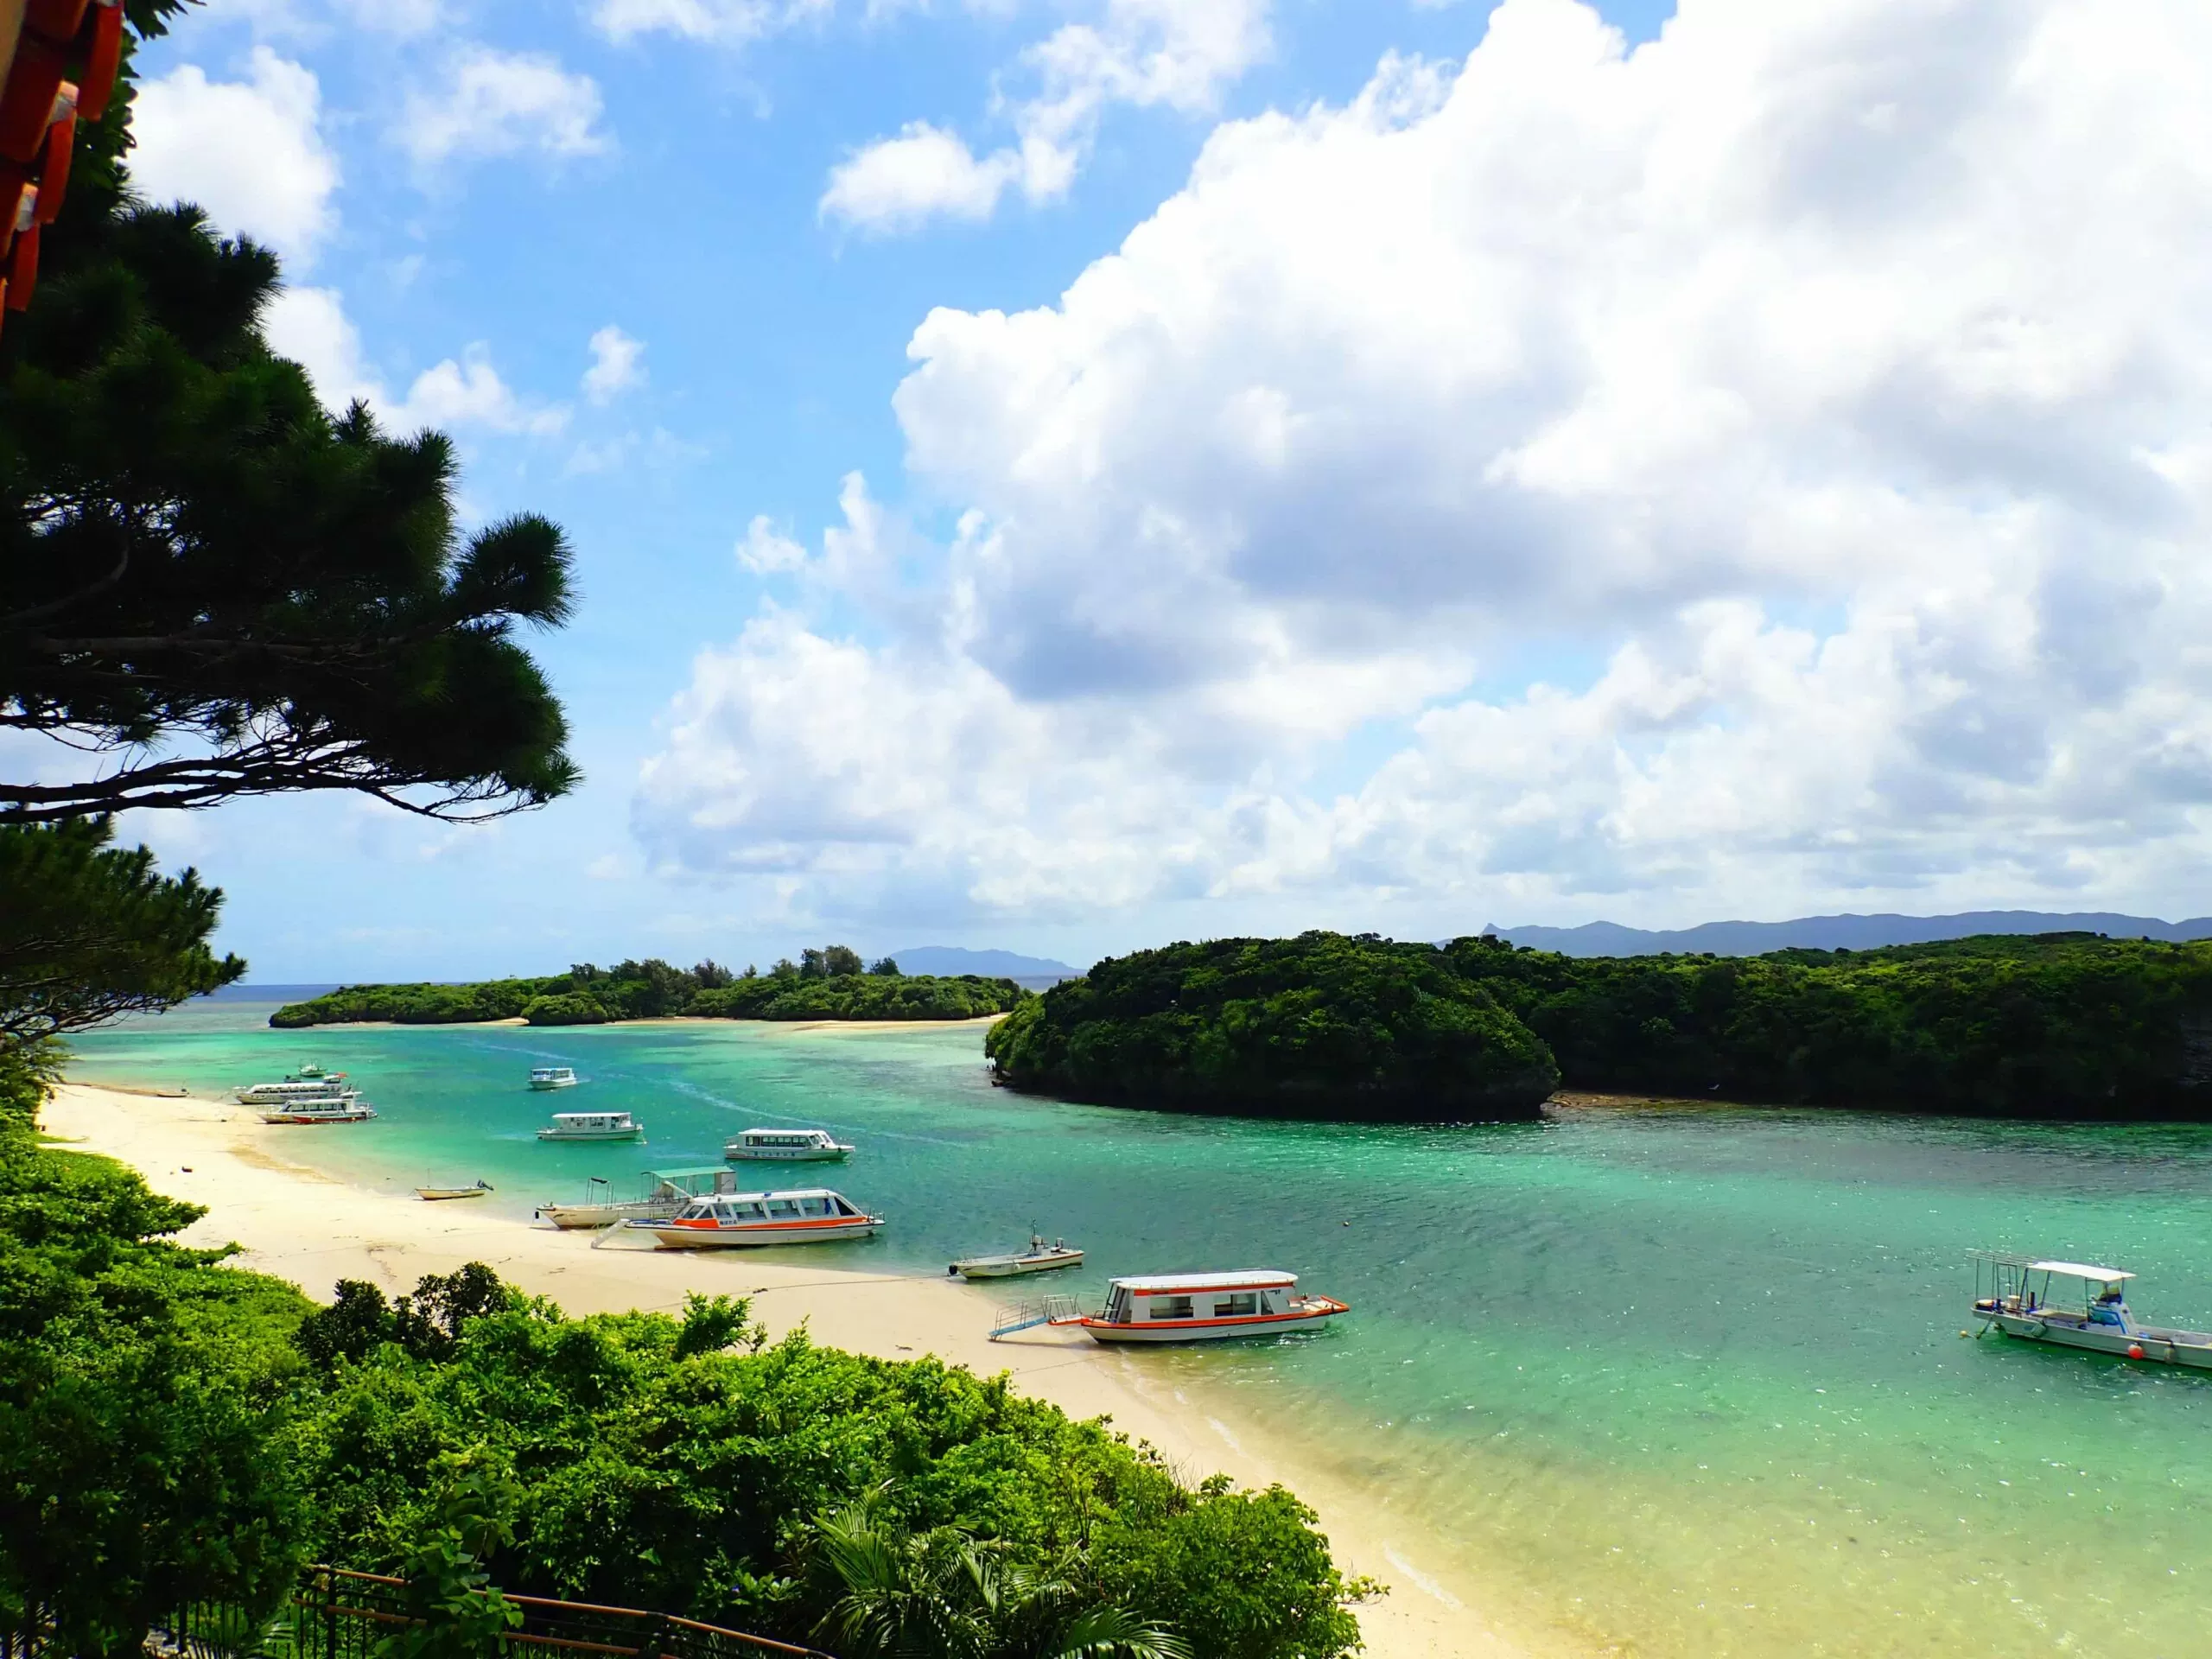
(826,983)
(2059,1026)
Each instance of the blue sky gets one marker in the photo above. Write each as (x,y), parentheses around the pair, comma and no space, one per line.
(1461,645)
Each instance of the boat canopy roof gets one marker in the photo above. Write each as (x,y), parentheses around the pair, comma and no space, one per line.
(800,1135)
(784,1192)
(2079,1270)
(1170,1283)
(586,1117)
(690,1172)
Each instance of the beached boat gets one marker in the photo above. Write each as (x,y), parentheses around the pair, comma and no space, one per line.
(2077,1306)
(812,1215)
(662,1193)
(432,1194)
(1039,1257)
(1206,1307)
(593,1126)
(336,1105)
(310,1083)
(786,1146)
(553,1076)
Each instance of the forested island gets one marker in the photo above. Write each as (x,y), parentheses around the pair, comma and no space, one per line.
(828,983)
(2056,1025)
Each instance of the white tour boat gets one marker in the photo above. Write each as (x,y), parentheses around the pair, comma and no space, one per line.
(663,1192)
(812,1215)
(1039,1257)
(332,1106)
(2089,1310)
(554,1077)
(786,1146)
(309,1082)
(1204,1306)
(593,1126)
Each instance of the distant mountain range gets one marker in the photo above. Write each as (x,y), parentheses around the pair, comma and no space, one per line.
(992,964)
(1840,932)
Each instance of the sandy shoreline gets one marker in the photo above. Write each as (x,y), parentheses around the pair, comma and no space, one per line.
(301,1224)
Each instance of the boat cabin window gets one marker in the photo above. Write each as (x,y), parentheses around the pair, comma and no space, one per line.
(782,1207)
(814,1206)
(1231,1307)
(1171,1307)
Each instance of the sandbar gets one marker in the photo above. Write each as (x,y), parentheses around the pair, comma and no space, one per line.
(305,1225)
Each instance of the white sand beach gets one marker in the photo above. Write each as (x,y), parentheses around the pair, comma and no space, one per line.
(304,1225)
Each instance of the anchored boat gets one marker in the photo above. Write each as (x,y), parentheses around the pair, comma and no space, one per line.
(786,1146)
(1205,1307)
(593,1126)
(553,1076)
(309,1082)
(432,1194)
(2077,1306)
(1039,1257)
(663,1192)
(335,1104)
(812,1215)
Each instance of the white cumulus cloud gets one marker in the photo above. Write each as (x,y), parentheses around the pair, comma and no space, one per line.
(1766,469)
(617,364)
(1176,53)
(251,152)
(488,102)
(732,22)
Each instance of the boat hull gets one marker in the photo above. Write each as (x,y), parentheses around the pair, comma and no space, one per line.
(357,1115)
(715,1235)
(827,1155)
(635,1133)
(1314,1313)
(1013,1266)
(547,1088)
(577,1216)
(439,1194)
(2158,1346)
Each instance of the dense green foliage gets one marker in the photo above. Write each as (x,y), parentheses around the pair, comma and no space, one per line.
(88,932)
(2053,1025)
(652,990)
(1320,1025)
(682,1465)
(208,576)
(142,1404)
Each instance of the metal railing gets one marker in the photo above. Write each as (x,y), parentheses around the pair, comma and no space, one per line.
(334,1614)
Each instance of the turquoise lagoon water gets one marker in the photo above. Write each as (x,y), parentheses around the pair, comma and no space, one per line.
(1665,1383)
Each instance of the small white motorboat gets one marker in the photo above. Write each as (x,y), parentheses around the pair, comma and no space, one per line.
(812,1215)
(1206,1307)
(553,1076)
(786,1146)
(2089,1309)
(663,1192)
(593,1126)
(433,1194)
(1039,1257)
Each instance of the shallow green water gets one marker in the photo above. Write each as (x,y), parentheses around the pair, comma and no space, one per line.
(1681,1383)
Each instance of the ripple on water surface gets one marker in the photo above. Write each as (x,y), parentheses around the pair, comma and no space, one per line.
(1673,1383)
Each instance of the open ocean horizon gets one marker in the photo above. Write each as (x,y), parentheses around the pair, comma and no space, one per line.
(1680,1382)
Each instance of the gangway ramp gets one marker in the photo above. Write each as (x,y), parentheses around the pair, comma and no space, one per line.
(1026,1316)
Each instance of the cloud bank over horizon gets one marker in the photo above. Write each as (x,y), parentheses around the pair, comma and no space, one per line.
(1765,471)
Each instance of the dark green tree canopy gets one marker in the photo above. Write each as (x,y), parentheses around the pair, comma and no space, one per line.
(217,587)
(88,932)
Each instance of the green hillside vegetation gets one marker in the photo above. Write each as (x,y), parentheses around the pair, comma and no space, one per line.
(1320,1025)
(173,1430)
(2066,1026)
(828,983)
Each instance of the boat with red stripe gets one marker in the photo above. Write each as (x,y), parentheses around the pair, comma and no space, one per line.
(808,1215)
(1206,1307)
